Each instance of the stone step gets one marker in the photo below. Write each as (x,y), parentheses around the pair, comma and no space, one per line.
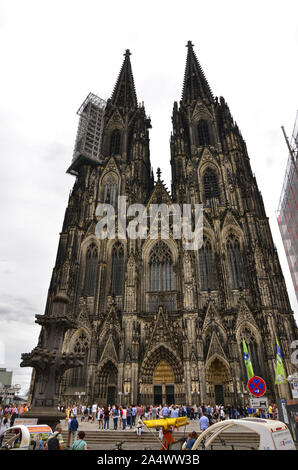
(108,437)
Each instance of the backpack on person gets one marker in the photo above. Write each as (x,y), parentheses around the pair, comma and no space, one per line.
(53,442)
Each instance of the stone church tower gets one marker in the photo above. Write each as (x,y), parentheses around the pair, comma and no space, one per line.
(154,322)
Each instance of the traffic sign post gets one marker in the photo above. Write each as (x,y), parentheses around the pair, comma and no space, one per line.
(260,403)
(256,386)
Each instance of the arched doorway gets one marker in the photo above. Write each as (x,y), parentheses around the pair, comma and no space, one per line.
(163,384)
(218,382)
(106,384)
(161,379)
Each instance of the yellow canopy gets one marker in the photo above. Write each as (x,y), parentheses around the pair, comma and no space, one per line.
(166,423)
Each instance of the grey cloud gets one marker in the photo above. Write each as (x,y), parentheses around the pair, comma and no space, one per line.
(16,309)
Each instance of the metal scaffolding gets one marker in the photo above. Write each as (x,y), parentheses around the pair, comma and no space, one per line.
(287,215)
(89,134)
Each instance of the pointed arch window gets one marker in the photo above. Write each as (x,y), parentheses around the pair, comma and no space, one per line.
(235,262)
(115,142)
(207,268)
(78,375)
(211,188)
(161,268)
(117,280)
(110,191)
(203,133)
(91,270)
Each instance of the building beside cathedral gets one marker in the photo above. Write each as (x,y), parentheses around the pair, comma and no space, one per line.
(152,321)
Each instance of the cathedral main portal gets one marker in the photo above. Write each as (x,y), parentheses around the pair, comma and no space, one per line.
(163,384)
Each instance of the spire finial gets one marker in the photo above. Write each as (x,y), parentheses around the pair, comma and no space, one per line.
(124,94)
(158,172)
(195,85)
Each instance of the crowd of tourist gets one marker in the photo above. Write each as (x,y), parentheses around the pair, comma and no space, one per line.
(8,415)
(128,417)
(116,417)
(131,417)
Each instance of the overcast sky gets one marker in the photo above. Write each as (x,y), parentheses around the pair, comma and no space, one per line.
(53,53)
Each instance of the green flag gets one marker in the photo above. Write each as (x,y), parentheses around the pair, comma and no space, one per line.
(247,361)
(280,375)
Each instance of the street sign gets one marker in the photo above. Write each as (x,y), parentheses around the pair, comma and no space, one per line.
(261,403)
(256,386)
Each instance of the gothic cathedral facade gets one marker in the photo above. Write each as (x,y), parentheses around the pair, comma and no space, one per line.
(156,323)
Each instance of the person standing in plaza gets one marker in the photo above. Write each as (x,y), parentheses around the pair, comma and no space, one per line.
(74,410)
(204,422)
(100,417)
(106,418)
(67,411)
(115,416)
(83,407)
(133,415)
(73,429)
(68,431)
(94,411)
(222,414)
(165,411)
(174,412)
(124,418)
(129,417)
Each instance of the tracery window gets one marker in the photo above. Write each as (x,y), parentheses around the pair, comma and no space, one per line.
(211,188)
(235,262)
(207,268)
(117,280)
(115,142)
(91,270)
(203,133)
(161,268)
(77,375)
(110,191)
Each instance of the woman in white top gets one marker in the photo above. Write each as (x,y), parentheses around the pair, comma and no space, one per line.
(124,417)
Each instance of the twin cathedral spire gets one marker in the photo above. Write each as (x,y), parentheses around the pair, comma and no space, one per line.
(121,311)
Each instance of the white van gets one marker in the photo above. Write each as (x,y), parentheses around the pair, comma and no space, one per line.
(274,435)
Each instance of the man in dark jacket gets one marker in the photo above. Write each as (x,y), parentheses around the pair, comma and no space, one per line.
(73,427)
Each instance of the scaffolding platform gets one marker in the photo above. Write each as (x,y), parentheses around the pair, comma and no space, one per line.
(287,214)
(89,135)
